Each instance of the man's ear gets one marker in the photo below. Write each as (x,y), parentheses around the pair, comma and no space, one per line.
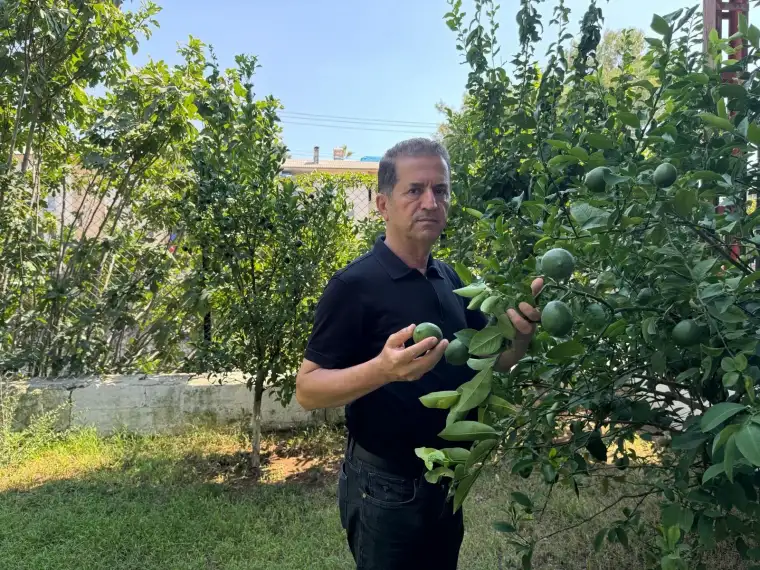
(381,201)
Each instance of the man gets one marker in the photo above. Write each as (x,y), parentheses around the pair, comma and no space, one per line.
(360,355)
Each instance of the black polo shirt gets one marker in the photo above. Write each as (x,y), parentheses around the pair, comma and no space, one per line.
(363,304)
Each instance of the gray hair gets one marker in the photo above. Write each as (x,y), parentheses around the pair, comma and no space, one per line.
(386,174)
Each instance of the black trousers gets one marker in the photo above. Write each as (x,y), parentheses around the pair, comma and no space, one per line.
(394,522)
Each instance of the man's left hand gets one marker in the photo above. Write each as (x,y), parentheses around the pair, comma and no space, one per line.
(525,323)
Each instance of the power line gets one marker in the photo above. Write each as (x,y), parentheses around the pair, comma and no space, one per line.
(361,120)
(355,128)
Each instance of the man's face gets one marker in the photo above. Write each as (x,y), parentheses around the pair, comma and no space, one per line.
(419,204)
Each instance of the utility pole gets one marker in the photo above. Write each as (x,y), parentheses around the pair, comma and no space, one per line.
(715,13)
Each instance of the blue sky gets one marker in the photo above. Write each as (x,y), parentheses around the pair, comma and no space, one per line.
(383,62)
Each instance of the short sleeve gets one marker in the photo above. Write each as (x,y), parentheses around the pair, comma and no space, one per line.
(475,319)
(337,327)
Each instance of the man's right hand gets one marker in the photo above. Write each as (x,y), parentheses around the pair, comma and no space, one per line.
(399,363)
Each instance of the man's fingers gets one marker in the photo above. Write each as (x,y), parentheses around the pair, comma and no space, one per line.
(399,338)
(427,362)
(420,348)
(530,312)
(522,325)
(537,286)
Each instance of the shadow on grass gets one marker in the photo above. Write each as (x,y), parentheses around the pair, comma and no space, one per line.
(191,510)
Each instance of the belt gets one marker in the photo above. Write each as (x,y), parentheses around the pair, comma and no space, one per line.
(412,467)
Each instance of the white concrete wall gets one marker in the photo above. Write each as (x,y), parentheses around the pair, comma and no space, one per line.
(156,403)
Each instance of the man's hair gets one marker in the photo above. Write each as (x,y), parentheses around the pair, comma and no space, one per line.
(386,174)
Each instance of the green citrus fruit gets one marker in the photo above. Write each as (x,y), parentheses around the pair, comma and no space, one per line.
(686,333)
(665,175)
(558,264)
(645,296)
(595,179)
(595,317)
(425,330)
(457,353)
(556,318)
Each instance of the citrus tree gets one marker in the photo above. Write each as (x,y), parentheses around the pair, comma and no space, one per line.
(267,243)
(632,199)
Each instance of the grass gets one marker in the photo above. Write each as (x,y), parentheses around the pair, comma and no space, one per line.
(186,502)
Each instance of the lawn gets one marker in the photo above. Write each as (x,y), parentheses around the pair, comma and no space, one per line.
(185,502)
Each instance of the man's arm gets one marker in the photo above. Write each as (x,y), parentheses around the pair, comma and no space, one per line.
(318,387)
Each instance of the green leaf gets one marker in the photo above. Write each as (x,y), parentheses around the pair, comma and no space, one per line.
(596,447)
(740,362)
(501,407)
(729,457)
(475,391)
(561,145)
(464,273)
(563,160)
(486,342)
(685,201)
(712,472)
(474,213)
(522,499)
(753,133)
(465,335)
(616,328)
(721,439)
(479,452)
(671,515)
(688,440)
(748,441)
(717,122)
(471,291)
(490,305)
(753,35)
(730,379)
(732,91)
(589,217)
(579,152)
(504,527)
(599,141)
(456,454)
(706,532)
(463,488)
(505,326)
(468,431)
(599,539)
(649,328)
(481,363)
(629,119)
(430,456)
(718,414)
(748,280)
(702,269)
(566,350)
(435,475)
(687,519)
(659,363)
(440,400)
(660,26)
(731,314)
(701,78)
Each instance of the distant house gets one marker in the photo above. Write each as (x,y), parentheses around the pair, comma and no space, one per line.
(363,202)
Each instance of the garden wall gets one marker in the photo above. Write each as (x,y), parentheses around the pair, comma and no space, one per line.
(156,403)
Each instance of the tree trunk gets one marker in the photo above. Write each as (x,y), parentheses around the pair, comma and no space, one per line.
(258,392)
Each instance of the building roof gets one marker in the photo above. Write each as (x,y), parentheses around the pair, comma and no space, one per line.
(292,164)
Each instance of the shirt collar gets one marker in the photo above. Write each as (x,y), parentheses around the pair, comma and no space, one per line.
(395,266)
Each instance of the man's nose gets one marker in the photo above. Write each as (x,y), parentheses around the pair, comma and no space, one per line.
(429,201)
